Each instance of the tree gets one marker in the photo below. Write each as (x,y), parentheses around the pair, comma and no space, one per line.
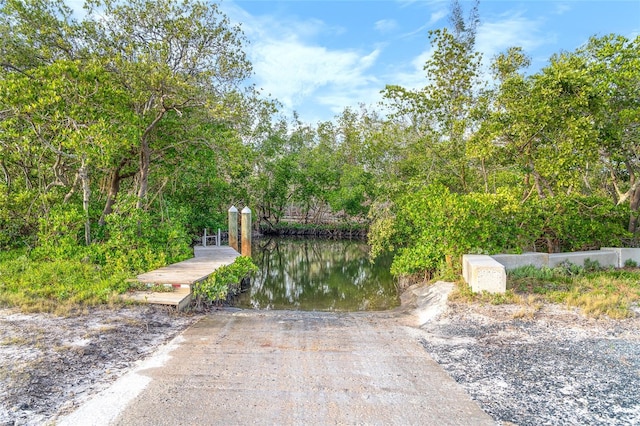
(612,63)
(172,58)
(35,33)
(113,103)
(441,115)
(543,122)
(70,118)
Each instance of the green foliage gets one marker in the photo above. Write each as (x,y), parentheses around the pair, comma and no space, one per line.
(571,223)
(81,114)
(224,281)
(137,241)
(56,285)
(430,228)
(59,234)
(440,119)
(131,241)
(612,62)
(351,195)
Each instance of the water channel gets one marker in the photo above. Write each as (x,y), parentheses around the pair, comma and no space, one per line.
(318,275)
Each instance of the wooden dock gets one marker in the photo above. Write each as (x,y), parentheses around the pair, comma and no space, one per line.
(182,276)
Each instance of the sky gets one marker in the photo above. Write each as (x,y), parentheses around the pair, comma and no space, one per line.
(317,57)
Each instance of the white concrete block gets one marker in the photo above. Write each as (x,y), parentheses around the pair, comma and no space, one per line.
(466,268)
(513,261)
(604,258)
(483,273)
(624,254)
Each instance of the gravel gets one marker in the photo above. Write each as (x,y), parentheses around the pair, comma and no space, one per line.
(551,367)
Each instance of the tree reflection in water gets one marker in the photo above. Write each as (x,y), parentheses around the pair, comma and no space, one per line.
(318,275)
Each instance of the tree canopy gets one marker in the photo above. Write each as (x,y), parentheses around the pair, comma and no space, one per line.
(136,126)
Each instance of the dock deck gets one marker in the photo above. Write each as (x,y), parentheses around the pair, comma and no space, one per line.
(182,276)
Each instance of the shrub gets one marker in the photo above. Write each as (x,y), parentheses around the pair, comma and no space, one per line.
(572,223)
(430,228)
(224,281)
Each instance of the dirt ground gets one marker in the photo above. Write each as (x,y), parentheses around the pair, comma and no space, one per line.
(50,365)
(546,366)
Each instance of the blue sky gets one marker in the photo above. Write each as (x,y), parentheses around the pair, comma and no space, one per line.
(317,57)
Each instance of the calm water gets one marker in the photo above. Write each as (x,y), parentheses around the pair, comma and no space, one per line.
(318,275)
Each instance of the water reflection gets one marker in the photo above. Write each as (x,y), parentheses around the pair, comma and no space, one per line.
(322,275)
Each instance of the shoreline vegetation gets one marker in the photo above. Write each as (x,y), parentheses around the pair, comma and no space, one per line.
(296,229)
(102,179)
(69,287)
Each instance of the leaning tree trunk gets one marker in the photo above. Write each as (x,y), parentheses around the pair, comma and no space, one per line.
(145,159)
(115,178)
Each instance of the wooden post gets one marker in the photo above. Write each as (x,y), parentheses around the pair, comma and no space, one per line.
(246,232)
(233,228)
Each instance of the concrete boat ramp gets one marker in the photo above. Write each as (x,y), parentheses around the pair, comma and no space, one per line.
(181,276)
(237,367)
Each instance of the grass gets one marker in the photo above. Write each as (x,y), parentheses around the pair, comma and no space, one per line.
(68,287)
(61,287)
(594,290)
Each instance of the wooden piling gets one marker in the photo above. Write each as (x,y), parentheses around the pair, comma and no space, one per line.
(246,232)
(233,228)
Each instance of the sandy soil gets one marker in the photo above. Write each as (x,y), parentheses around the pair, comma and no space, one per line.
(50,365)
(547,366)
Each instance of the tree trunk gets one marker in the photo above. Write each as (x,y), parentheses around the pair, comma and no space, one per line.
(114,187)
(633,205)
(7,176)
(145,159)
(484,176)
(83,174)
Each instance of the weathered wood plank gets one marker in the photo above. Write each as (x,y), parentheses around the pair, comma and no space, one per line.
(193,270)
(179,298)
(182,276)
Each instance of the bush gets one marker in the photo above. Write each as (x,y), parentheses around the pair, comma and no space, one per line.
(137,241)
(572,223)
(430,228)
(225,281)
(131,241)
(60,234)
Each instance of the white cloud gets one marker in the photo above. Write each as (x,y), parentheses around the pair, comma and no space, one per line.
(562,8)
(293,68)
(77,6)
(494,37)
(433,19)
(385,25)
(437,16)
